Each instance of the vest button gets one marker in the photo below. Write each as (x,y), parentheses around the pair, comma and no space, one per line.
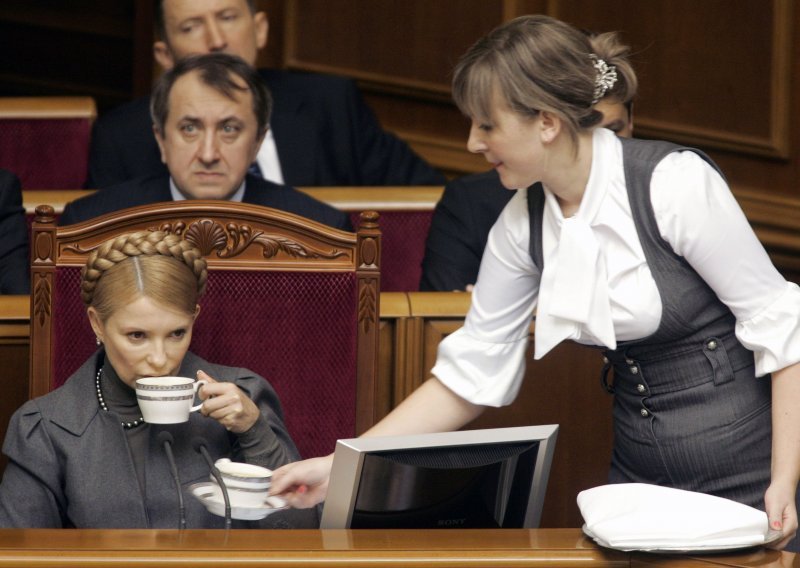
(711,345)
(640,387)
(644,413)
(634,370)
(605,360)
(629,361)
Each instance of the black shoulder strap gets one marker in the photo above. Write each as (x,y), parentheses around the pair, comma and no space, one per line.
(536,214)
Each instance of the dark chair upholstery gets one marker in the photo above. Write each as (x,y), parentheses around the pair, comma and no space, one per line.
(404,232)
(290,299)
(45,140)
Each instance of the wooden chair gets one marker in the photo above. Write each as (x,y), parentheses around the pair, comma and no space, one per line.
(291,299)
(45,140)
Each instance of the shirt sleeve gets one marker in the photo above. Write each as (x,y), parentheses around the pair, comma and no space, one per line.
(484,361)
(699,217)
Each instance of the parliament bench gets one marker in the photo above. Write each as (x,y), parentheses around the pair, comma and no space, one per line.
(45,140)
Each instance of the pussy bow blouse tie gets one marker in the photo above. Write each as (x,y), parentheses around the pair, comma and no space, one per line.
(573,292)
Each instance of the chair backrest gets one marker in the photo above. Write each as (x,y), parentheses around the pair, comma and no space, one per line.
(406,215)
(45,140)
(404,234)
(291,299)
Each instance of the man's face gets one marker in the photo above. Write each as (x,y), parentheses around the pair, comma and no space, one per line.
(616,117)
(209,140)
(204,26)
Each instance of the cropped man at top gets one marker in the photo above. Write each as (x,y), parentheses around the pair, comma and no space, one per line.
(470,205)
(82,456)
(321,132)
(210,114)
(14,260)
(635,247)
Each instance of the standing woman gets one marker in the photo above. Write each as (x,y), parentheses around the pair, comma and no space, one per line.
(635,247)
(82,456)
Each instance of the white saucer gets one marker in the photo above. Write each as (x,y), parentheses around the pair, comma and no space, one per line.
(772,536)
(209,495)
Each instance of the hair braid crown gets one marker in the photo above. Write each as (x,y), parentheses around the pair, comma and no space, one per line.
(141,243)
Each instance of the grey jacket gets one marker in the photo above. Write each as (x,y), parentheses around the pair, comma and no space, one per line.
(70,464)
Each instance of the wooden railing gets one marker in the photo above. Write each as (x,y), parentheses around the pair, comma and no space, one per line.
(417,198)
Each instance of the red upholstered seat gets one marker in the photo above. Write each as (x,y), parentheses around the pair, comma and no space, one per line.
(403,243)
(45,140)
(307,324)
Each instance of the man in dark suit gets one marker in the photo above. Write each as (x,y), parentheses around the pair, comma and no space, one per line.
(468,209)
(210,115)
(321,131)
(14,269)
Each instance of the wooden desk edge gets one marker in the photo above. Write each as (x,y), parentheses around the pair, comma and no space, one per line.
(412,198)
(386,548)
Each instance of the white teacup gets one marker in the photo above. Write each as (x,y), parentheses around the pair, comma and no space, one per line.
(247,484)
(167,400)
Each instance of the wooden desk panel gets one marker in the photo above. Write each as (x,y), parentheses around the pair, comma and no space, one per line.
(67,548)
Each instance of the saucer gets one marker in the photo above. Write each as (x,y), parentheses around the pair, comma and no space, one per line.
(208,494)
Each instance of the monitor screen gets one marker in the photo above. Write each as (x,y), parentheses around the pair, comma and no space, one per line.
(493,478)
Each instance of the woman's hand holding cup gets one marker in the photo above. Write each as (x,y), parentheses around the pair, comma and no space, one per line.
(227,404)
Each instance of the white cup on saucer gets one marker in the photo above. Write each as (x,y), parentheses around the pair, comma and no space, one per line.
(247,484)
(167,400)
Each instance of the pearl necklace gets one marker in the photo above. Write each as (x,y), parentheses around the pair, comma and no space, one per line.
(126,425)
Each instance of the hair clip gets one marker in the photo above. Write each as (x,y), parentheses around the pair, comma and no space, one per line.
(606,77)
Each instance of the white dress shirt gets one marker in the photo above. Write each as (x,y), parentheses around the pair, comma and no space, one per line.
(237,196)
(597,288)
(268,161)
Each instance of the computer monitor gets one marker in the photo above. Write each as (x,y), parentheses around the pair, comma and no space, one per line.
(494,478)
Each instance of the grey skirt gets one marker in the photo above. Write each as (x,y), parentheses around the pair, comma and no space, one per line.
(693,416)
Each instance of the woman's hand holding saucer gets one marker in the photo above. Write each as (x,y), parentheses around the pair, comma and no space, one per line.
(304,483)
(227,404)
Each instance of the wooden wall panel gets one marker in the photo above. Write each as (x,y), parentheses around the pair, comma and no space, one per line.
(722,75)
(76,48)
(392,42)
(696,71)
(402,52)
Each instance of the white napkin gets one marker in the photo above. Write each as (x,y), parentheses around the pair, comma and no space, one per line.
(638,516)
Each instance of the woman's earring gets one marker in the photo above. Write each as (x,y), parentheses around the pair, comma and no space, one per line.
(99,343)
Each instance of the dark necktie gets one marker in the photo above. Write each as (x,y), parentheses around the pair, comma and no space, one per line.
(255,170)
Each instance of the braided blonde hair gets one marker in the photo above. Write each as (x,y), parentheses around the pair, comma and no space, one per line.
(155,264)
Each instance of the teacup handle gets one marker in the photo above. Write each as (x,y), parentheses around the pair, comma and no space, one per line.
(196,386)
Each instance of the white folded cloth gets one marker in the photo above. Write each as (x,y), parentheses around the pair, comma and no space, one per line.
(638,516)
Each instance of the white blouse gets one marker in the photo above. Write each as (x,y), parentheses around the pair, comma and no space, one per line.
(597,288)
